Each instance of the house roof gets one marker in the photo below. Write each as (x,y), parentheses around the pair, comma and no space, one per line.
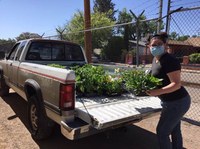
(195,41)
(181,43)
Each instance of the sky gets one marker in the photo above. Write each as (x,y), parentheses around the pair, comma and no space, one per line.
(43,16)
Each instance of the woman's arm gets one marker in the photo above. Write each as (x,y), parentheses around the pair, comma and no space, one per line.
(175,84)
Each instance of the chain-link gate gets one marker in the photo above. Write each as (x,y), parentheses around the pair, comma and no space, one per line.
(184,32)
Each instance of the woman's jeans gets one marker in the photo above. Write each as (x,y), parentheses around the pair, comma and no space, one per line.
(170,123)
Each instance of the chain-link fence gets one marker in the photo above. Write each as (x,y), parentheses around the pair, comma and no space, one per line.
(185,42)
(125,43)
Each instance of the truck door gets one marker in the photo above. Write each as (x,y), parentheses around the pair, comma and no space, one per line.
(10,60)
(14,61)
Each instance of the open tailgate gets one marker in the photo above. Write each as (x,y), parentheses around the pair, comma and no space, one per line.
(103,112)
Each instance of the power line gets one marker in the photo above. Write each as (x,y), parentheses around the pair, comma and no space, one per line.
(152,15)
(148,6)
(122,24)
(104,27)
(141,4)
(151,10)
(185,4)
(176,1)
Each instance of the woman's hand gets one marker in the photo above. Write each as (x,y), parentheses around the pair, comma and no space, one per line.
(155,92)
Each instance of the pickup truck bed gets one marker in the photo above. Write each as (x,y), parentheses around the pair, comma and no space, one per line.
(103,112)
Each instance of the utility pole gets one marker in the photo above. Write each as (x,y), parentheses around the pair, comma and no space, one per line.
(168,16)
(137,35)
(87,33)
(160,16)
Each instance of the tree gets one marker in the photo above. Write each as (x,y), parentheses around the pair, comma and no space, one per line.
(5,46)
(125,30)
(6,41)
(74,29)
(183,38)
(174,36)
(113,49)
(27,35)
(105,6)
(129,31)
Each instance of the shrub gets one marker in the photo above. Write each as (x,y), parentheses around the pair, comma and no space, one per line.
(138,82)
(195,58)
(94,80)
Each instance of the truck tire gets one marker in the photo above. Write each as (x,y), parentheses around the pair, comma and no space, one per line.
(4,89)
(40,126)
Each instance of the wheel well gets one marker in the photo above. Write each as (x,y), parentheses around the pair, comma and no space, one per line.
(34,91)
(30,91)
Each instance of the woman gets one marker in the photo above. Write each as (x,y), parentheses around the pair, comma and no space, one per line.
(175,100)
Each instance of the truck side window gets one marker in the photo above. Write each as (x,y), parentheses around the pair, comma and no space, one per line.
(13,52)
(21,47)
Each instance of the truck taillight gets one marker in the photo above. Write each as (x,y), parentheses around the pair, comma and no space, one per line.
(67,95)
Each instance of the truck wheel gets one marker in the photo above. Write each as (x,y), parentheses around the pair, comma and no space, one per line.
(4,89)
(41,127)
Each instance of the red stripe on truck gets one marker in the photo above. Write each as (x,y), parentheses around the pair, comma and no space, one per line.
(49,76)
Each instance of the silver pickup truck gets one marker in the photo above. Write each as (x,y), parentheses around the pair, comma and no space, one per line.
(51,95)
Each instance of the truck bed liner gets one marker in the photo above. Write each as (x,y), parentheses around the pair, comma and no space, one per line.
(110,111)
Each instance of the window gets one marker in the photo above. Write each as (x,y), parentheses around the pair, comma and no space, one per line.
(58,52)
(13,52)
(39,51)
(21,47)
(51,51)
(73,53)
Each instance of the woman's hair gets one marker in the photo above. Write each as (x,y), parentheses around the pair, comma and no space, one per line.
(162,36)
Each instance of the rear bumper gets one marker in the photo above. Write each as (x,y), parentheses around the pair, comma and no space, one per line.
(80,129)
(77,129)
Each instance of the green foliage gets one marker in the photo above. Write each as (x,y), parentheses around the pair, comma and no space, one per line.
(6,41)
(183,38)
(56,65)
(129,31)
(100,37)
(176,36)
(105,6)
(95,80)
(113,85)
(195,58)
(27,35)
(137,81)
(125,17)
(114,48)
(74,29)
(90,79)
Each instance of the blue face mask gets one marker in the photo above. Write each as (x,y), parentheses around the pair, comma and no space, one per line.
(157,50)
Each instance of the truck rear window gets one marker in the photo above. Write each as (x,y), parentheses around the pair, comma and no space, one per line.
(54,52)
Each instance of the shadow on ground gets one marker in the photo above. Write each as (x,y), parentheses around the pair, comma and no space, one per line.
(130,137)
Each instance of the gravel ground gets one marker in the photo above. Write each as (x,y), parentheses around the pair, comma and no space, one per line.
(14,133)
